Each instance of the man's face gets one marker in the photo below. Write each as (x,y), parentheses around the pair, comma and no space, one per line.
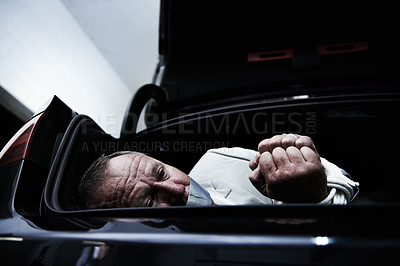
(137,180)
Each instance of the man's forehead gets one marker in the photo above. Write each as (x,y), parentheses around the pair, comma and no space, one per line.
(125,161)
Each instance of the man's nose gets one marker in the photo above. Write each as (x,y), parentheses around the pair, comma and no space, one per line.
(170,187)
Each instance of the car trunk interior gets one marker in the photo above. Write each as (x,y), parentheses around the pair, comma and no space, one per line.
(354,131)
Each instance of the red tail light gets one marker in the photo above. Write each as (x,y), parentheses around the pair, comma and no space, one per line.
(16,149)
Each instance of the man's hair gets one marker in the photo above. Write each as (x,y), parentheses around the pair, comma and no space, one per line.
(94,176)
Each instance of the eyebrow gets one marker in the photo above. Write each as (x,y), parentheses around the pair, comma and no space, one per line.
(154,168)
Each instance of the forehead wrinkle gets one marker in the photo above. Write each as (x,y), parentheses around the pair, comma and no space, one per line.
(123,180)
(130,183)
(143,188)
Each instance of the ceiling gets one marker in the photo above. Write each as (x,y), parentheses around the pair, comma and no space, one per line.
(93,54)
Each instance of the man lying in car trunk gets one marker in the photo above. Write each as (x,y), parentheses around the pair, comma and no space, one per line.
(286,169)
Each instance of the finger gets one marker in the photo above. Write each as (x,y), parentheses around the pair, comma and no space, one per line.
(270,144)
(254,162)
(257,180)
(310,155)
(293,135)
(305,141)
(294,155)
(255,174)
(288,140)
(280,157)
(263,146)
(267,164)
(275,142)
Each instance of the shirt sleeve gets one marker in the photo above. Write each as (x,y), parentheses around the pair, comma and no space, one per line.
(341,188)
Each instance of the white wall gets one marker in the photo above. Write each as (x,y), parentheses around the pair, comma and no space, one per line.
(92,54)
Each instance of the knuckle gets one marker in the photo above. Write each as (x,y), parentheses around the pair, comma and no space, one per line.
(286,142)
(306,149)
(263,145)
(274,143)
(291,149)
(263,157)
(306,140)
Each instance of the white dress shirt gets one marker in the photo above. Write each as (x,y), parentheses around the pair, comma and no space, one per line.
(224,173)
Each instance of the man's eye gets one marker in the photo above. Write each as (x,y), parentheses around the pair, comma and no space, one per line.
(161,174)
(150,203)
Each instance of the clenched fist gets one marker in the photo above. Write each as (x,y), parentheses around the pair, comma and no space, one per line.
(288,168)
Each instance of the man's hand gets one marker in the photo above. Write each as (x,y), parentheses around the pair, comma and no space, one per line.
(289,170)
(286,140)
